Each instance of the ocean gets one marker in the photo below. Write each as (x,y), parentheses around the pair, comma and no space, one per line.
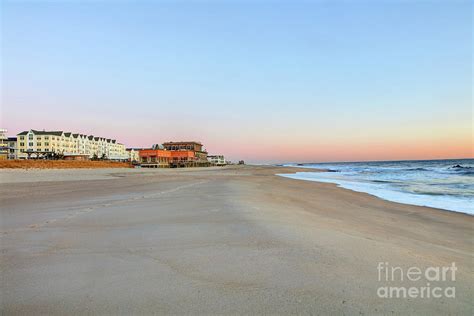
(444,184)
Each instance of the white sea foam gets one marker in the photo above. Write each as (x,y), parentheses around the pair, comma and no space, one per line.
(429,184)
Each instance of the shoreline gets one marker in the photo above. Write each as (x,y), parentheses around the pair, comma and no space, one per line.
(378,197)
(237,239)
(440,201)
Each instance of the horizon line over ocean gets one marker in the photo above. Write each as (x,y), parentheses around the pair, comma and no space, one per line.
(442,183)
(366,161)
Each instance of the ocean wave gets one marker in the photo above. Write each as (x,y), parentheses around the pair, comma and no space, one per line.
(445,184)
(382,181)
(467,172)
(416,169)
(440,201)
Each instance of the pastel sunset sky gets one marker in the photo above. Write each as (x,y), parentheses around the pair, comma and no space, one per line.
(263,81)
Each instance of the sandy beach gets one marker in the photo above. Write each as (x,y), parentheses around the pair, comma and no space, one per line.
(232,240)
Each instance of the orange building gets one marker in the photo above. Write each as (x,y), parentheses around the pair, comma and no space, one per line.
(199,152)
(160,158)
(174,155)
(155,158)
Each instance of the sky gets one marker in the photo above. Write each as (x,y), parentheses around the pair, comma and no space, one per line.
(263,81)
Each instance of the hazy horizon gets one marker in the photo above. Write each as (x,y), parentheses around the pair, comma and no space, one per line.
(264,82)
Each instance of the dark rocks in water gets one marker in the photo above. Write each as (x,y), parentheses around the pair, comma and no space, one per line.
(300,164)
(460,167)
(331,170)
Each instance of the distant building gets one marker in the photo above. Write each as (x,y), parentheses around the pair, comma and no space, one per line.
(174,155)
(3,144)
(8,146)
(185,158)
(217,160)
(37,144)
(154,158)
(133,154)
(196,147)
(12,148)
(161,158)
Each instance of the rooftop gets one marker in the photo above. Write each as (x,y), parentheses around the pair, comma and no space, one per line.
(182,143)
(68,134)
(136,148)
(58,133)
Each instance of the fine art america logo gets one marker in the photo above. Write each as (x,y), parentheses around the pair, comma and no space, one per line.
(416,282)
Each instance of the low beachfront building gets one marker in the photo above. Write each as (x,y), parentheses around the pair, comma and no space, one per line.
(199,154)
(154,158)
(134,154)
(174,155)
(8,146)
(35,144)
(217,160)
(184,158)
(196,147)
(3,144)
(12,148)
(162,158)
(192,145)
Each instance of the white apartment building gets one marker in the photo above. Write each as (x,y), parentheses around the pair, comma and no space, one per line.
(3,144)
(217,160)
(8,148)
(12,148)
(133,154)
(35,143)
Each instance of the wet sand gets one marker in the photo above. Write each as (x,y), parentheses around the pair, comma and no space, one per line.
(234,240)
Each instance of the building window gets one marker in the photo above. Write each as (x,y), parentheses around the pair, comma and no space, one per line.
(39,144)
(30,144)
(22,144)
(22,137)
(30,136)
(46,144)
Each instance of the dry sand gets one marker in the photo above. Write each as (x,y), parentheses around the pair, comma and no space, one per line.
(234,240)
(60,164)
